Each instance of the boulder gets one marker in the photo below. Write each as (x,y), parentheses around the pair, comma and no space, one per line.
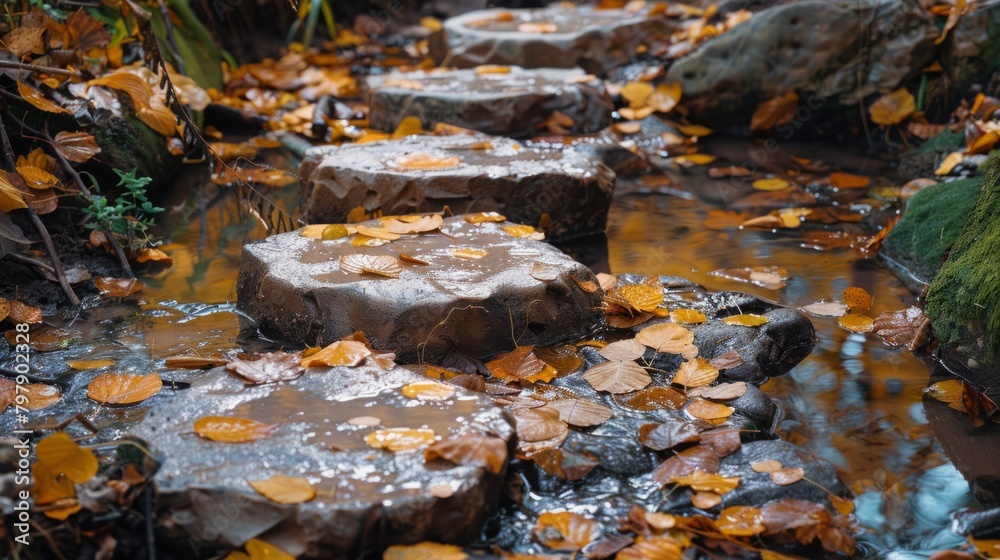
(970,54)
(366,499)
(511,102)
(467,174)
(295,289)
(829,53)
(559,36)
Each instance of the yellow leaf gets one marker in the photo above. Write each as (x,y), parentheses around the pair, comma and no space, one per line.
(408,127)
(695,159)
(740,521)
(857,323)
(640,297)
(949,163)
(418,161)
(482,217)
(492,69)
(523,231)
(63,456)
(706,482)
(38,100)
(400,439)
(83,365)
(37,178)
(428,390)
(636,93)
(10,197)
(695,373)
(348,353)
(948,391)
(687,316)
(424,551)
(124,388)
(709,411)
(285,489)
(469,253)
(893,108)
(746,320)
(665,98)
(257,549)
(774,184)
(694,130)
(229,429)
(565,530)
(138,90)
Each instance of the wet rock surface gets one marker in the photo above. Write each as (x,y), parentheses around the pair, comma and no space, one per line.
(509,101)
(970,52)
(479,174)
(830,54)
(557,36)
(294,288)
(366,499)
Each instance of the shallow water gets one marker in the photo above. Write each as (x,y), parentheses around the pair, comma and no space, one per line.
(853,401)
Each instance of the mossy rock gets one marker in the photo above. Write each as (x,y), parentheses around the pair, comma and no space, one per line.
(964,300)
(923,160)
(929,227)
(127,143)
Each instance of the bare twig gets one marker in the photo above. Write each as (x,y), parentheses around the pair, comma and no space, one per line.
(30,262)
(56,264)
(37,68)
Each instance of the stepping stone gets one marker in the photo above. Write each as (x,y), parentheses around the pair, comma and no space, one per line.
(366,498)
(557,36)
(507,101)
(464,173)
(481,289)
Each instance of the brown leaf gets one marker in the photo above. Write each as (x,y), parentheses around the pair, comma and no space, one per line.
(666,337)
(581,413)
(695,373)
(421,551)
(979,406)
(76,146)
(727,360)
(670,434)
(565,359)
(23,41)
(381,265)
(774,112)
(285,489)
(724,441)
(857,299)
(270,368)
(900,328)
(521,363)
(770,277)
(565,464)
(86,32)
(653,398)
(540,426)
(471,449)
(118,287)
(695,459)
(565,530)
(787,475)
(124,388)
(617,377)
(230,429)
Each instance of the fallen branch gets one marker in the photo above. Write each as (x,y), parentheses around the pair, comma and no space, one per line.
(37,68)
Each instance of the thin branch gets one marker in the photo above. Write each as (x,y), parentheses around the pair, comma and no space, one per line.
(37,68)
(30,262)
(56,264)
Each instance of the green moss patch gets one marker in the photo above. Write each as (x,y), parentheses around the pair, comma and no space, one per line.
(964,300)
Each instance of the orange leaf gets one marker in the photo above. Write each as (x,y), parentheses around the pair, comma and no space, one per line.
(348,353)
(695,373)
(231,429)
(424,551)
(400,439)
(774,112)
(848,181)
(857,323)
(38,100)
(565,530)
(62,456)
(857,298)
(893,108)
(285,489)
(428,390)
(76,146)
(417,161)
(124,388)
(257,549)
(471,449)
(118,287)
(740,521)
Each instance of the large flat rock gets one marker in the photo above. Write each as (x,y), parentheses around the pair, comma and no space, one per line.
(366,499)
(295,289)
(509,101)
(469,174)
(560,36)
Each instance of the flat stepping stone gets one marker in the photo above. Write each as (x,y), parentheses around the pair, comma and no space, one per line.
(557,36)
(366,497)
(507,100)
(481,289)
(567,188)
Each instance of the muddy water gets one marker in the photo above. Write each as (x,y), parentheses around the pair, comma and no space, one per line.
(853,402)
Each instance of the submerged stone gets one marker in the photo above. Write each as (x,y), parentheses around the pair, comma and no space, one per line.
(561,36)
(508,101)
(564,187)
(479,293)
(366,499)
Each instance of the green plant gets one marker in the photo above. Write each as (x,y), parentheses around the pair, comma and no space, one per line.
(131,214)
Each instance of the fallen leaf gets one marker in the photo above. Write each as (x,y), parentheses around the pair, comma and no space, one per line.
(707,482)
(727,360)
(520,363)
(949,163)
(565,464)
(257,549)
(705,500)
(766,466)
(37,178)
(585,285)
(695,159)
(469,253)
(484,217)
(537,27)
(665,97)
(694,130)
(892,108)
(581,413)
(21,312)
(695,373)
(687,316)
(669,435)
(523,231)
(949,391)
(124,388)
(848,181)
(23,41)
(84,365)
(740,521)
(899,328)
(118,287)
(856,323)
(423,162)
(540,426)
(424,551)
(565,530)
(269,368)
(617,377)
(544,272)
(774,184)
(285,489)
(37,99)
(381,265)
(826,309)
(424,224)
(787,475)
(76,146)
(477,450)
(623,350)
(746,320)
(400,439)
(658,548)
(408,127)
(39,395)
(774,112)
(857,299)
(698,458)
(708,410)
(770,277)
(636,93)
(721,392)
(427,391)
(565,359)
(639,297)
(231,429)
(63,456)
(653,398)
(349,353)
(666,337)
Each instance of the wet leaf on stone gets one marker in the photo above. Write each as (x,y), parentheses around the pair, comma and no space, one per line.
(623,350)
(40,395)
(721,392)
(63,456)
(565,464)
(707,482)
(46,339)
(669,435)
(774,112)
(284,489)
(639,297)
(617,377)
(740,521)
(767,466)
(424,224)
(478,450)
(76,146)
(727,360)
(349,353)
(564,359)
(424,551)
(705,500)
(269,368)
(118,287)
(423,162)
(84,365)
(857,323)
(581,413)
(544,272)
(520,363)
(979,406)
(257,549)
(787,475)
(666,337)
(124,388)
(901,328)
(540,426)
(427,390)
(469,253)
(695,373)
(724,441)
(653,398)
(694,459)
(231,429)
(709,411)
(483,217)
(826,309)
(565,530)
(857,299)
(523,231)
(21,312)
(585,285)
(409,259)
(381,265)
(400,439)
(770,277)
(948,391)
(687,316)
(659,548)
(746,320)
